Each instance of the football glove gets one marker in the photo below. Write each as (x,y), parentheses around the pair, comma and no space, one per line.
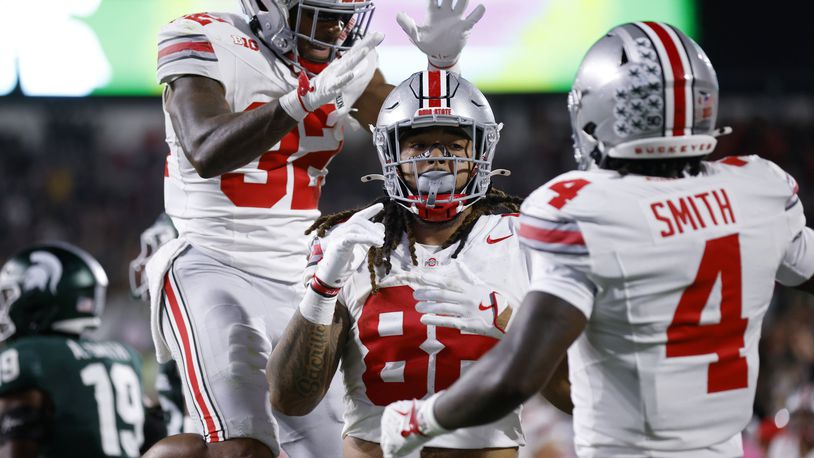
(463,303)
(337,247)
(444,35)
(334,268)
(327,86)
(407,425)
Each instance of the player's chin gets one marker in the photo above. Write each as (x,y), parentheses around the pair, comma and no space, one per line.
(316,53)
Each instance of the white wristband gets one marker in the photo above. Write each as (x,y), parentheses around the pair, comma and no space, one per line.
(453,68)
(427,421)
(317,308)
(292,104)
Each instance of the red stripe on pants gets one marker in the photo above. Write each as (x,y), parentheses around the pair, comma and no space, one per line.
(187,354)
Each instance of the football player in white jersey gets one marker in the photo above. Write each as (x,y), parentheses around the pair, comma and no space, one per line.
(373,305)
(255,108)
(657,265)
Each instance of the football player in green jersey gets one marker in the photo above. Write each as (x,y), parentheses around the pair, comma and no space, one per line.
(62,395)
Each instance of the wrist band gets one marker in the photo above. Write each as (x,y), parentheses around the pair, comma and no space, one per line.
(292,104)
(452,68)
(430,423)
(316,308)
(322,289)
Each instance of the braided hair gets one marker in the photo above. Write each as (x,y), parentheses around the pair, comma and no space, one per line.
(398,220)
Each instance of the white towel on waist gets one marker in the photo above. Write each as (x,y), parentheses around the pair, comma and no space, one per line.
(156,268)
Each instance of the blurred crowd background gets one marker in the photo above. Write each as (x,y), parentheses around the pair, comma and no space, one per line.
(90,171)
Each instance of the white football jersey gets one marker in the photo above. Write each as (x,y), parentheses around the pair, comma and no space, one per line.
(391,356)
(254,217)
(675,276)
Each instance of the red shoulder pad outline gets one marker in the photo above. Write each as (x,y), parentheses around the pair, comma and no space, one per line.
(734,161)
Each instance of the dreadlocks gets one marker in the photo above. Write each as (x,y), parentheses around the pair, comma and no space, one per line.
(398,220)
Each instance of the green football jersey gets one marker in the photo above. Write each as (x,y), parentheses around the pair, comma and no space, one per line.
(171,397)
(95,389)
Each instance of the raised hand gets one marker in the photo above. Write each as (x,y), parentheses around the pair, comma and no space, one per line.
(334,268)
(444,35)
(326,87)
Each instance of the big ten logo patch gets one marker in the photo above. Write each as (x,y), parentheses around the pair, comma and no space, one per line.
(247,43)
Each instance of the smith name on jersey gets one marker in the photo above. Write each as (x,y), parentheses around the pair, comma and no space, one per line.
(390,355)
(254,217)
(94,389)
(675,276)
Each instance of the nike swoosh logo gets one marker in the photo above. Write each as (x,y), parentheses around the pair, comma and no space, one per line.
(485,307)
(492,241)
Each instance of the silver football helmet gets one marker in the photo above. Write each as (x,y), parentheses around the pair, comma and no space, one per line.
(643,91)
(159,233)
(270,20)
(436,99)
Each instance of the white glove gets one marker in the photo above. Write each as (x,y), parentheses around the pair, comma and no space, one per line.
(444,35)
(327,86)
(407,425)
(337,248)
(466,304)
(334,268)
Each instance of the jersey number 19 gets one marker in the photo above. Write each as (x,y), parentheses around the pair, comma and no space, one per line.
(125,403)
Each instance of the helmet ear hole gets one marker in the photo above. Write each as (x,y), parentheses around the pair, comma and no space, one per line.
(624,59)
(589,128)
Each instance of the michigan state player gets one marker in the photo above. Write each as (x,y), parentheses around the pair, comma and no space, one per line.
(62,395)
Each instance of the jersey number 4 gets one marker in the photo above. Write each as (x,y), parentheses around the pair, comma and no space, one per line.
(566,190)
(686,336)
(397,343)
(124,403)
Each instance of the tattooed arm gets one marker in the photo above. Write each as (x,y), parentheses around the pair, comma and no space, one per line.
(304,361)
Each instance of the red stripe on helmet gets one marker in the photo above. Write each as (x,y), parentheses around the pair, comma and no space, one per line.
(679,80)
(434,85)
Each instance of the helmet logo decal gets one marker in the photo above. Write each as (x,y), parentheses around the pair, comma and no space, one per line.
(678,78)
(45,271)
(639,105)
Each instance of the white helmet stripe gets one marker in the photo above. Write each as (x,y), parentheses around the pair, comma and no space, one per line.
(678,77)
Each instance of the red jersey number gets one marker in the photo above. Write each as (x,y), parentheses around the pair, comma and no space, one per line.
(566,190)
(686,336)
(202,18)
(404,349)
(306,170)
